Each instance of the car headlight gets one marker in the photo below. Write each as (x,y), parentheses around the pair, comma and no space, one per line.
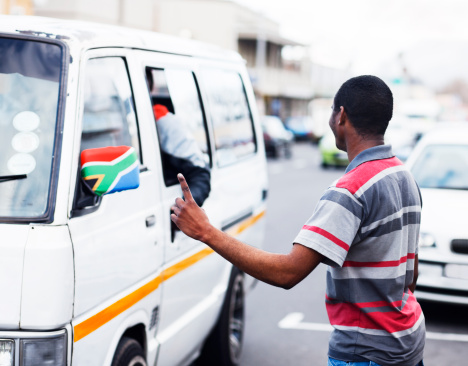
(44,351)
(426,240)
(7,351)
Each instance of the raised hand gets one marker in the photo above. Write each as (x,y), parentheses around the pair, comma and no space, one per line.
(187,215)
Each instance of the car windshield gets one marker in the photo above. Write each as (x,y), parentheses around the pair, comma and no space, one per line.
(442,166)
(29,94)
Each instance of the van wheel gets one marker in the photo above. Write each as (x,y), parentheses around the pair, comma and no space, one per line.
(224,345)
(129,353)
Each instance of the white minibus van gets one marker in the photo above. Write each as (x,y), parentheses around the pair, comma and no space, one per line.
(93,278)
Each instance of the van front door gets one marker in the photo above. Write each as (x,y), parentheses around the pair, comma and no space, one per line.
(193,276)
(118,243)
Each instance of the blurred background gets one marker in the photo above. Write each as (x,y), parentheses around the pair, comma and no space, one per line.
(298,53)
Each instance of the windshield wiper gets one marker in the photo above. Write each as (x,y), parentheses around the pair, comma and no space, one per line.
(6,178)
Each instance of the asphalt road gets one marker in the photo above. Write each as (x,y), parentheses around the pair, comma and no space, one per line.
(290,327)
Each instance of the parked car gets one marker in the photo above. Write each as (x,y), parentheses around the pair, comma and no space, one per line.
(93,278)
(329,153)
(301,127)
(277,139)
(403,135)
(439,164)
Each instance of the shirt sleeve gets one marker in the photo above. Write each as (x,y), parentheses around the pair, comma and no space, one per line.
(177,140)
(333,227)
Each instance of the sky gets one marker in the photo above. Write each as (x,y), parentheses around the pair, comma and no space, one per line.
(367,36)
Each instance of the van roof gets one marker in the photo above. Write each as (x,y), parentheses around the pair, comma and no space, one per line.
(87,35)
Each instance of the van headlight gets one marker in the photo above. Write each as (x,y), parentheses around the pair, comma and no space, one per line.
(7,352)
(44,351)
(426,240)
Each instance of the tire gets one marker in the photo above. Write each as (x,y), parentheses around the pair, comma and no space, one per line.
(275,152)
(129,353)
(224,345)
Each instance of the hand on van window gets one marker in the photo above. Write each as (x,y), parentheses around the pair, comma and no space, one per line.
(282,270)
(188,216)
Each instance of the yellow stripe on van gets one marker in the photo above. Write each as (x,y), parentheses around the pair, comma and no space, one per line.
(91,324)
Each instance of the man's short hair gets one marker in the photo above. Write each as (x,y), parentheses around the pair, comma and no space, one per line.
(368,103)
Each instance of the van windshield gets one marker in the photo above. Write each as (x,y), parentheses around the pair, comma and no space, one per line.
(29,94)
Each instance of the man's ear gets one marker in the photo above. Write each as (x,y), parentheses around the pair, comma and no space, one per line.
(343,116)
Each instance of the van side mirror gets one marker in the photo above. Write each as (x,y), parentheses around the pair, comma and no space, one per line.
(110,169)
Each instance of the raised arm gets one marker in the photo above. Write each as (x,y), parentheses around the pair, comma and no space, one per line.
(282,270)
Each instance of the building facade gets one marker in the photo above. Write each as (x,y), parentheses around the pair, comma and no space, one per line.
(283,87)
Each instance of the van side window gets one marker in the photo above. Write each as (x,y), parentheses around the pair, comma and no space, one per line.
(181,127)
(232,120)
(109,117)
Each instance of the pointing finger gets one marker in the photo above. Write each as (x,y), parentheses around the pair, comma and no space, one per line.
(185,188)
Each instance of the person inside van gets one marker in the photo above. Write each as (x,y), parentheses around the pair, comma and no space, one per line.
(179,149)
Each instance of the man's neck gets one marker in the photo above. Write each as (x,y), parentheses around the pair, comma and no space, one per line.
(357,146)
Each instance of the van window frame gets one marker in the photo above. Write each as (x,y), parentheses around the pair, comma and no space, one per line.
(124,59)
(48,216)
(78,212)
(205,118)
(205,69)
(163,66)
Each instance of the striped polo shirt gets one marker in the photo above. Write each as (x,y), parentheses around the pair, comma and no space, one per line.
(367,227)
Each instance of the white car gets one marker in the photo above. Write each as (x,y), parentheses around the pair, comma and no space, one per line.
(440,165)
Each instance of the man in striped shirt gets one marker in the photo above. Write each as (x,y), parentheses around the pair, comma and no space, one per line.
(365,227)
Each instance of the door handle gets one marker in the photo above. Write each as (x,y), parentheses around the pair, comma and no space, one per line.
(150,221)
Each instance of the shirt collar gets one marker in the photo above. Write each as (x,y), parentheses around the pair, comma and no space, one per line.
(372,153)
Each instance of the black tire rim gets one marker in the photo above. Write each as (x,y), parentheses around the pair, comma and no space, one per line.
(236,319)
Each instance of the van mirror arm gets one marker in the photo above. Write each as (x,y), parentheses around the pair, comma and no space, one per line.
(85,201)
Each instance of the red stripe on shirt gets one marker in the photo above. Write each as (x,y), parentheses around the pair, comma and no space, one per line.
(379,304)
(379,264)
(327,235)
(351,315)
(360,175)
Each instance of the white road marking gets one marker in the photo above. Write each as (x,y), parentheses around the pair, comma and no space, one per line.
(294,321)
(447,337)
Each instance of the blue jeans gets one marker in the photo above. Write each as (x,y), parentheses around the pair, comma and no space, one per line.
(333,362)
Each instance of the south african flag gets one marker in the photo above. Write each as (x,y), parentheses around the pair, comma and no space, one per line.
(110,169)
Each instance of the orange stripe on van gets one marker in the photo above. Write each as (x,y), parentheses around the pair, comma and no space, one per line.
(245,225)
(96,321)
(91,324)
(179,267)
